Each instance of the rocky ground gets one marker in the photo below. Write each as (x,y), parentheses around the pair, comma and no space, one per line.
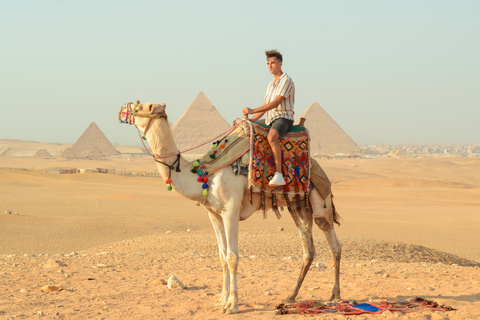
(127,279)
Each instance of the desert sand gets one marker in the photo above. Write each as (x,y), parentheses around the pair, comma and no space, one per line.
(410,227)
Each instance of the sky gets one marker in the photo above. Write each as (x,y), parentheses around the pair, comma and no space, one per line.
(388,72)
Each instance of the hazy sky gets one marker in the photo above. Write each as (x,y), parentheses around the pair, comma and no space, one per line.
(385,71)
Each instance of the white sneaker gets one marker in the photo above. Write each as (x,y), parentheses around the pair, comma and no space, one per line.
(277,180)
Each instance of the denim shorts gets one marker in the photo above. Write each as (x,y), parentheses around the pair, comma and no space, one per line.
(282,126)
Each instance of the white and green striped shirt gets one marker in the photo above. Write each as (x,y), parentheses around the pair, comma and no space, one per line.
(285,88)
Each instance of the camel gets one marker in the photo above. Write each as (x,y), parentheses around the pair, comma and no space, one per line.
(227,203)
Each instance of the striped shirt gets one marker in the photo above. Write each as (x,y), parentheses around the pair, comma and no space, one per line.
(285,88)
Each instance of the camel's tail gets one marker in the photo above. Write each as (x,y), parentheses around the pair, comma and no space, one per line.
(336,216)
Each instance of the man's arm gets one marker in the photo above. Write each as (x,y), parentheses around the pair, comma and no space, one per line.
(260,111)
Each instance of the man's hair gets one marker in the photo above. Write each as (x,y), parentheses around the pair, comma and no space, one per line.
(274,54)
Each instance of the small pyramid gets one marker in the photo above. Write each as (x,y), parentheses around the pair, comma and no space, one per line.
(68,153)
(95,153)
(200,123)
(398,153)
(327,137)
(43,153)
(93,137)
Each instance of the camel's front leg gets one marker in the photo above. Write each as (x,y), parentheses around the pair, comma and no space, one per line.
(217,223)
(305,229)
(230,222)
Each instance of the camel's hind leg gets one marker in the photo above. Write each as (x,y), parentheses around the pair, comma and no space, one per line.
(336,254)
(305,229)
(323,217)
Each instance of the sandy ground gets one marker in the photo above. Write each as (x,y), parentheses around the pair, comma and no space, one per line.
(410,228)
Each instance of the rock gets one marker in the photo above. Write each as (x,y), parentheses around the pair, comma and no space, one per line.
(174,283)
(52,263)
(385,275)
(8,212)
(188,230)
(280,228)
(409,288)
(169,232)
(40,313)
(387,313)
(320,265)
(267,293)
(51,288)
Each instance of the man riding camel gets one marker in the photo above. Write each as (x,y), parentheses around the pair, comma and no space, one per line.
(278,104)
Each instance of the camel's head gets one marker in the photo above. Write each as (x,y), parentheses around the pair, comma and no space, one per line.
(135,113)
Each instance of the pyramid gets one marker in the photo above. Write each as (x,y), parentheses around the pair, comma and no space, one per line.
(42,153)
(68,153)
(398,153)
(92,137)
(327,137)
(95,153)
(200,123)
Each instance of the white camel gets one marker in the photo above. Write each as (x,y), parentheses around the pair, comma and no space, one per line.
(228,203)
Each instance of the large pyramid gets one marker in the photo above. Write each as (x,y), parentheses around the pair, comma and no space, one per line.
(92,139)
(327,138)
(200,123)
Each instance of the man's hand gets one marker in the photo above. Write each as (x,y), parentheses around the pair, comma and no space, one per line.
(247,111)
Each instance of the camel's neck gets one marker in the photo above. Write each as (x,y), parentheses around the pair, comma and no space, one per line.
(160,139)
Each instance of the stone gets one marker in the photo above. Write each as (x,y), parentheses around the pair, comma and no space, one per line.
(8,212)
(280,229)
(174,283)
(320,265)
(169,232)
(387,313)
(52,263)
(51,288)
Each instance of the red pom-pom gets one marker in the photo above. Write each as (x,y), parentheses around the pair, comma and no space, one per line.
(168,181)
(214,151)
(205,179)
(199,179)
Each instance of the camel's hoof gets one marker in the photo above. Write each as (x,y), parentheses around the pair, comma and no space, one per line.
(289,300)
(333,298)
(230,309)
(220,303)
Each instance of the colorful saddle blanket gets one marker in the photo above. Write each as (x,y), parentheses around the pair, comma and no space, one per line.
(295,159)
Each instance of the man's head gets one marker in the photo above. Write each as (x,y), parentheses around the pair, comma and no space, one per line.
(274,62)
(274,54)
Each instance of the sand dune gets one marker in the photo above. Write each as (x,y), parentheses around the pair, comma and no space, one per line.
(409,218)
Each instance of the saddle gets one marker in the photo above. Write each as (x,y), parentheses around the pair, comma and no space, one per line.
(300,171)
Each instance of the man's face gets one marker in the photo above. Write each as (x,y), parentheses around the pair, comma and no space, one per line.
(274,65)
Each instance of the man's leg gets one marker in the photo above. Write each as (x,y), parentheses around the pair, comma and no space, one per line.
(277,152)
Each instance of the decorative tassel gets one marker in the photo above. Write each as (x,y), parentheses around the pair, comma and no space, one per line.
(250,192)
(275,206)
(307,202)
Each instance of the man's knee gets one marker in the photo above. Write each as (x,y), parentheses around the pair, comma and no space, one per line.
(272,137)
